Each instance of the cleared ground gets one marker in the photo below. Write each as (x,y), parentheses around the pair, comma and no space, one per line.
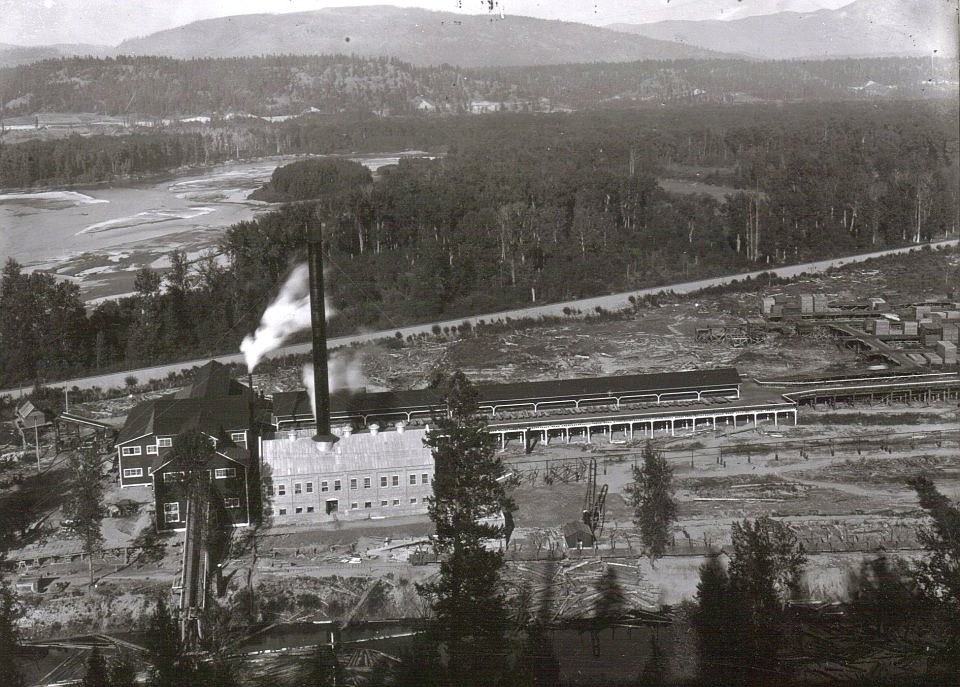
(844,504)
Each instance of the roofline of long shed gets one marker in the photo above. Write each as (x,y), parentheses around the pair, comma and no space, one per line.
(526,391)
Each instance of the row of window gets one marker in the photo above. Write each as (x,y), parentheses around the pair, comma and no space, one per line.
(218,473)
(384,503)
(171,511)
(280,489)
(167,442)
(174,475)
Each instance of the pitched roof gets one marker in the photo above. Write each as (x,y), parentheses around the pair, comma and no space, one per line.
(41,416)
(170,416)
(213,380)
(235,453)
(293,404)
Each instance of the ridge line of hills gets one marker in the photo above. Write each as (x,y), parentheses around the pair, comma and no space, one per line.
(160,88)
(863,28)
(423,37)
(418,36)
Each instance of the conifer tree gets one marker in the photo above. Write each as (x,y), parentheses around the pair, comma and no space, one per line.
(468,602)
(654,507)
(655,671)
(123,671)
(84,506)
(10,613)
(97,674)
(611,601)
(938,576)
(166,652)
(764,571)
(718,619)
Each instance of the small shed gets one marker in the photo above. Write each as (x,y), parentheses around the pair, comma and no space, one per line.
(30,417)
(29,584)
(577,534)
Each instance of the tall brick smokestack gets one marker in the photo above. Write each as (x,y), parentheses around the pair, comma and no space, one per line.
(324,438)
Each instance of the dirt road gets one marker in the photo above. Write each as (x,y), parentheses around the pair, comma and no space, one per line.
(610,302)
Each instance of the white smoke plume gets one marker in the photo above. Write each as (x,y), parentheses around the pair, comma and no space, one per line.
(344,371)
(288,314)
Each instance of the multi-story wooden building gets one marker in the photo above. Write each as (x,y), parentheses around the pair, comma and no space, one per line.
(151,427)
(227,471)
(213,404)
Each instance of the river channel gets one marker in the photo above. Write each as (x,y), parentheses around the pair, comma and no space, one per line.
(99,236)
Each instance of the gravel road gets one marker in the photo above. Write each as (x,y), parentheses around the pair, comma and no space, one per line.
(610,302)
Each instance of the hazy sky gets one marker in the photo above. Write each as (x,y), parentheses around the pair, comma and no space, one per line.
(36,22)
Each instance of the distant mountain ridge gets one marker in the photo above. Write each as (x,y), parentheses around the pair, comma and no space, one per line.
(865,28)
(420,37)
(14,55)
(151,87)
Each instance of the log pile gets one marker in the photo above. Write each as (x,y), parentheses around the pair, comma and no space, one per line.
(571,590)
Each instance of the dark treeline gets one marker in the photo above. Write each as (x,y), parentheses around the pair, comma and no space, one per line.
(727,137)
(82,159)
(313,179)
(154,87)
(726,81)
(526,209)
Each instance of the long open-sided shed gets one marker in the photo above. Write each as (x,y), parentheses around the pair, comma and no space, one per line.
(293,408)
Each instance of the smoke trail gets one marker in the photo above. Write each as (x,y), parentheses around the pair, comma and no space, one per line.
(344,371)
(288,314)
(311,387)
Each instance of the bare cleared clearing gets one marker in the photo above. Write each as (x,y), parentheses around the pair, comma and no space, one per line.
(828,476)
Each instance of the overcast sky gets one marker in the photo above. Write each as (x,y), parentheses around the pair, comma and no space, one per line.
(39,22)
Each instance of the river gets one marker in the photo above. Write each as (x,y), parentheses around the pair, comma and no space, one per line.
(99,236)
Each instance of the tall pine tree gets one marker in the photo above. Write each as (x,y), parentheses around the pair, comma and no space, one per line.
(97,674)
(10,612)
(85,506)
(654,506)
(470,615)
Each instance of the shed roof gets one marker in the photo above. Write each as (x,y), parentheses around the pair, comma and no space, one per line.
(296,404)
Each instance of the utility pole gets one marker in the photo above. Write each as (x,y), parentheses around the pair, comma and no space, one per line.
(36,439)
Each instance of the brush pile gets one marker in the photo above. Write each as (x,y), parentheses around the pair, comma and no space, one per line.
(558,591)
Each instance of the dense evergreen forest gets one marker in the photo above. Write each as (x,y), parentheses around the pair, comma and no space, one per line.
(727,81)
(703,135)
(524,207)
(160,87)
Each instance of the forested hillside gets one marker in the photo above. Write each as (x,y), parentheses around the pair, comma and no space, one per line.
(731,81)
(160,87)
(146,87)
(532,206)
(412,34)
